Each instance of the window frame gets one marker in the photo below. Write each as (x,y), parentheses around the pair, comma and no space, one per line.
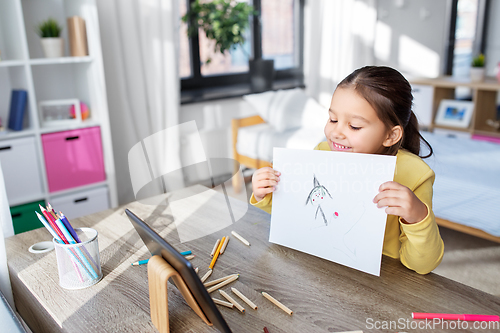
(479,45)
(198,82)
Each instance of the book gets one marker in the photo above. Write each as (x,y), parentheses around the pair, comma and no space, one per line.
(77,36)
(18,103)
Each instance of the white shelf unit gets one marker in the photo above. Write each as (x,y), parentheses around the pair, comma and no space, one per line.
(23,66)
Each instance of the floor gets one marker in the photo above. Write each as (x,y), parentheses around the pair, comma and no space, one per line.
(467,259)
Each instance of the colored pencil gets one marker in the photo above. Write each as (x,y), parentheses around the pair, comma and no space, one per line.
(207,274)
(68,225)
(218,301)
(230,299)
(142,262)
(277,303)
(79,254)
(189,257)
(266,330)
(224,245)
(216,255)
(244,298)
(51,221)
(223,283)
(215,248)
(211,283)
(75,236)
(243,240)
(51,211)
(57,238)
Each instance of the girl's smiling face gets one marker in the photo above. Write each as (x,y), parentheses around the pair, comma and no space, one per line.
(353,125)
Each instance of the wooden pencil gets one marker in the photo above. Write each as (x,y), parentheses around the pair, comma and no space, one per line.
(224,303)
(196,270)
(223,283)
(224,245)
(207,274)
(214,282)
(277,303)
(189,257)
(244,298)
(230,299)
(216,255)
(215,248)
(243,240)
(51,210)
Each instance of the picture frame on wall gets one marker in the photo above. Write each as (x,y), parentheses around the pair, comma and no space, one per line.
(454,113)
(59,112)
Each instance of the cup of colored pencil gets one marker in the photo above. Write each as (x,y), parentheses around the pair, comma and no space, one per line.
(77,250)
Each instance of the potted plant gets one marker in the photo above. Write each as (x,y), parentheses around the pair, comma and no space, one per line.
(477,68)
(225,22)
(50,34)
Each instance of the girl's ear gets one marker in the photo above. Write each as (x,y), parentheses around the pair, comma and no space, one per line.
(393,137)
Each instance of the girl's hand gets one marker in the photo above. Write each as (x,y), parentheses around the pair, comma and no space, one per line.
(264,181)
(401,201)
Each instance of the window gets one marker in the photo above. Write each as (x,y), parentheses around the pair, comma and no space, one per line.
(278,37)
(467,32)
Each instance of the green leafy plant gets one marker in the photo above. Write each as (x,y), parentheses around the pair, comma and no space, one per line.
(49,28)
(478,61)
(223,21)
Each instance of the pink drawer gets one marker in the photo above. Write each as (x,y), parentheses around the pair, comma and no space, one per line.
(73,158)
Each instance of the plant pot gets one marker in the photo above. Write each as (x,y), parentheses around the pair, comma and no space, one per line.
(261,74)
(53,47)
(477,74)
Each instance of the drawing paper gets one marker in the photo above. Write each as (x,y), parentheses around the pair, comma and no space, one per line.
(324,205)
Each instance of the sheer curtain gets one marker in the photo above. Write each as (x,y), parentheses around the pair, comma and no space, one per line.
(339,37)
(140,42)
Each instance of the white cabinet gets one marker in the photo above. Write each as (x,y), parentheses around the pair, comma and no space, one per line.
(23,66)
(82,203)
(20,165)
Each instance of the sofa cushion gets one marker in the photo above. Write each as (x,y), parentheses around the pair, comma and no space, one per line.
(288,109)
(258,141)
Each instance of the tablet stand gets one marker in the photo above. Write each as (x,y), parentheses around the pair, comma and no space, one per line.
(159,271)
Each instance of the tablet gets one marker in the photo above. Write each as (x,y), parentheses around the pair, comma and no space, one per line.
(158,246)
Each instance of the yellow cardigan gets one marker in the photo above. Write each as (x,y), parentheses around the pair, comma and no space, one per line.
(419,246)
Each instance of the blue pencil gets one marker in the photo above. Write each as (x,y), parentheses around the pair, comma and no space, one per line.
(73,233)
(142,262)
(69,227)
(58,239)
(80,255)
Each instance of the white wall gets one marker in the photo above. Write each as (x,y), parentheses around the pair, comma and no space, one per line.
(411,35)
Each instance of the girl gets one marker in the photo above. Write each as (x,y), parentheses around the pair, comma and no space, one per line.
(371,113)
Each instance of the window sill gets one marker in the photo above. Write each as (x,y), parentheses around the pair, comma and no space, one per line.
(231,91)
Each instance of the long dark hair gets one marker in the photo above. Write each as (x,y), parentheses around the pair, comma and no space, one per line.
(389,93)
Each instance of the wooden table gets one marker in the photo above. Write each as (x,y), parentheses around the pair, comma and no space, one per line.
(325,296)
